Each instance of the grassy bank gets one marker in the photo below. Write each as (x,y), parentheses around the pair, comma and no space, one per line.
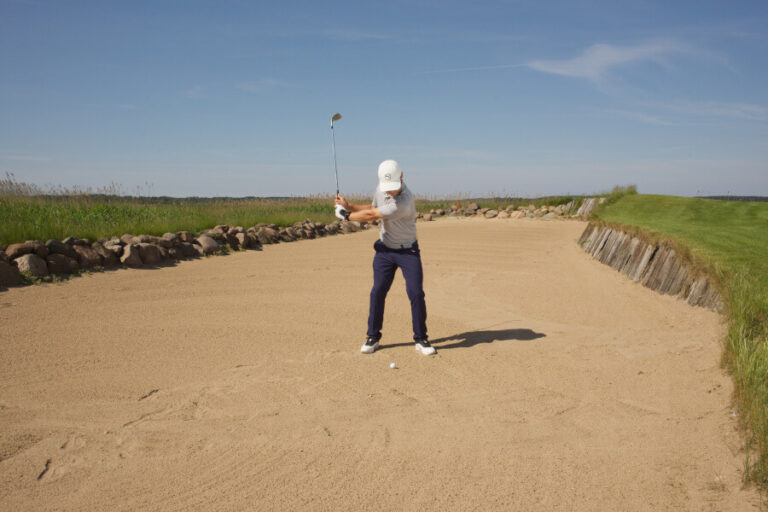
(729,238)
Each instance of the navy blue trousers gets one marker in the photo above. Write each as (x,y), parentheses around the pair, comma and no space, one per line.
(385,264)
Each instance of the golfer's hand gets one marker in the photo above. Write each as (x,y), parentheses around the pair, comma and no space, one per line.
(342,201)
(341,213)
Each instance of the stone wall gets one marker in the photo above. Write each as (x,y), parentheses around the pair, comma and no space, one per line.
(655,265)
(34,259)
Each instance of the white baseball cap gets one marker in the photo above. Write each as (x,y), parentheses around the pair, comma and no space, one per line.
(389,176)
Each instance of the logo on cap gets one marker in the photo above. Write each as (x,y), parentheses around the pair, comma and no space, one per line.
(388,177)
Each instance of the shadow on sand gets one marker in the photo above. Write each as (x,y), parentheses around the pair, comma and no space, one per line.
(472,338)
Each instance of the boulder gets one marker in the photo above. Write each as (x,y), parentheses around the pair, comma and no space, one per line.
(127,238)
(186,236)
(519,214)
(208,244)
(131,256)
(108,257)
(171,237)
(87,256)
(188,250)
(4,257)
(54,246)
(38,248)
(9,274)
(83,242)
(504,214)
(267,235)
(61,264)
(531,207)
(70,240)
(472,206)
(162,242)
(32,264)
(549,216)
(490,214)
(428,217)
(558,211)
(253,240)
(150,254)
(143,239)
(440,212)
(17,250)
(242,239)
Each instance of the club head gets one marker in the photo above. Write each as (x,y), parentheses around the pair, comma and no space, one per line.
(336,117)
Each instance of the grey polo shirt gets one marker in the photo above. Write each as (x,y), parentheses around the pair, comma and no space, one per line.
(398,227)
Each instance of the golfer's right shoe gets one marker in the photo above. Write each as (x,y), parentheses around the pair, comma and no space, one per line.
(425,347)
(370,345)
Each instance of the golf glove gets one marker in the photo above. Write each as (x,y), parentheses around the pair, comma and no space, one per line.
(341,213)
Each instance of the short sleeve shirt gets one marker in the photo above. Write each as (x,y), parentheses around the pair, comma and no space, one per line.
(399,224)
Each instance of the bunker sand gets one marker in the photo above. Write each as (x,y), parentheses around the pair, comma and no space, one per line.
(236,383)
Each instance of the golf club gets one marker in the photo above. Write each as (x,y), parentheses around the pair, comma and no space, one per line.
(335,117)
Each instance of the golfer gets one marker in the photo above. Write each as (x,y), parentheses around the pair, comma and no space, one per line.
(397,247)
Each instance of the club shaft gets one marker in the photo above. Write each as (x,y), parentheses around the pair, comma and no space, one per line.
(335,167)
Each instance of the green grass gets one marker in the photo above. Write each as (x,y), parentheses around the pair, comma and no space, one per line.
(730,240)
(29,212)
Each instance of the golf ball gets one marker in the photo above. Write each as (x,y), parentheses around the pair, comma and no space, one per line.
(392,365)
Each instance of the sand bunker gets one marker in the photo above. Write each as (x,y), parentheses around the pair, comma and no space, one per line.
(235,383)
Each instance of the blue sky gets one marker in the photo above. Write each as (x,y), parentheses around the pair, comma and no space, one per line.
(500,97)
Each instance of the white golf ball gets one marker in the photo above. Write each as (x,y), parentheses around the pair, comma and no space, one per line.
(392,365)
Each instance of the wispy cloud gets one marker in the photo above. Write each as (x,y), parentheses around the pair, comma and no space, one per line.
(595,62)
(473,68)
(259,86)
(25,158)
(644,117)
(744,111)
(195,93)
(350,34)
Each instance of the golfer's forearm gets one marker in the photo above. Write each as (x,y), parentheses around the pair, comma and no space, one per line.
(358,207)
(364,215)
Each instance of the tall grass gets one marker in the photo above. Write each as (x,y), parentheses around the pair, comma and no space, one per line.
(729,238)
(31,212)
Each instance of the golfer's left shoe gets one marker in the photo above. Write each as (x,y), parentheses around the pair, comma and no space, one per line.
(424,347)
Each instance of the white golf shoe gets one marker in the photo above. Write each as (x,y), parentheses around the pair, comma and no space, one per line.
(425,347)
(370,345)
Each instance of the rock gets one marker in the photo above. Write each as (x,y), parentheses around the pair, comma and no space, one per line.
(221,229)
(4,257)
(87,256)
(54,246)
(131,256)
(490,214)
(150,254)
(538,213)
(267,235)
(454,207)
(127,238)
(70,240)
(186,236)
(440,212)
(114,242)
(38,248)
(472,206)
(558,211)
(549,216)
(162,242)
(519,214)
(208,244)
(504,214)
(242,239)
(109,258)
(143,239)
(531,207)
(253,240)
(16,250)
(188,250)
(9,275)
(428,217)
(61,264)
(32,264)
(83,242)
(482,211)
(171,237)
